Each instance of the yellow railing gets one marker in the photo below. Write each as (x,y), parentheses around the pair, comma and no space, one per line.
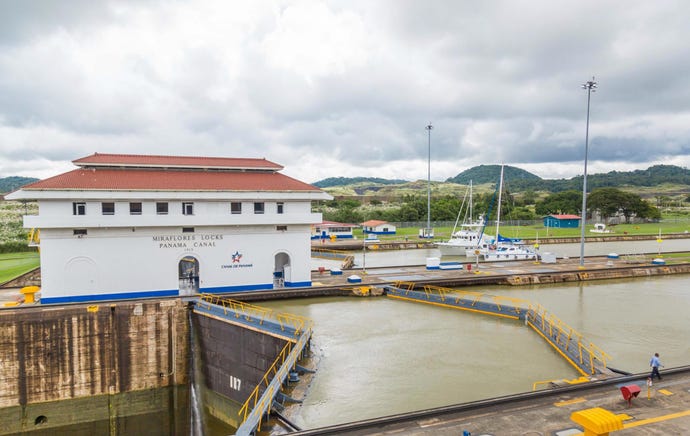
(406,286)
(299,323)
(563,335)
(34,237)
(347,259)
(475,296)
(265,381)
(239,308)
(456,295)
(251,312)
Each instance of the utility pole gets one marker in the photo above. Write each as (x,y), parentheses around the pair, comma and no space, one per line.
(591,87)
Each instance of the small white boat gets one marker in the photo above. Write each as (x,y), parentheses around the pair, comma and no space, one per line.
(468,238)
(510,252)
(470,234)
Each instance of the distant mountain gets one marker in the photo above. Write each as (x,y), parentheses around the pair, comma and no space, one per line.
(492,173)
(518,180)
(342,181)
(9,184)
(653,176)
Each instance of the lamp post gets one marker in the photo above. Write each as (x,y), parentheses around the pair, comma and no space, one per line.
(591,87)
(428,186)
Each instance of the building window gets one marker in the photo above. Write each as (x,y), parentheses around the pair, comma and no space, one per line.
(135,208)
(108,208)
(280,207)
(235,207)
(187,208)
(79,232)
(162,208)
(258,208)
(78,208)
(281,228)
(187,229)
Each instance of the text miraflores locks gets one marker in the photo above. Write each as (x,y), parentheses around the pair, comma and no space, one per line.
(187,241)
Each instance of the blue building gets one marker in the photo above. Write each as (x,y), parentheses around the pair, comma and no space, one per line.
(563,221)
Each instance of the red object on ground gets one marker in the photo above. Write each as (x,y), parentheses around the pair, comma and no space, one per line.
(629,392)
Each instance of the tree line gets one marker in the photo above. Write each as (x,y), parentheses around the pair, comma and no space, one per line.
(607,202)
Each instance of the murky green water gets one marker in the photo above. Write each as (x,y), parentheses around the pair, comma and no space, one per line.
(380,356)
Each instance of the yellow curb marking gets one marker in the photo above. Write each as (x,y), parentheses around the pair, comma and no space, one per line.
(569,402)
(657,419)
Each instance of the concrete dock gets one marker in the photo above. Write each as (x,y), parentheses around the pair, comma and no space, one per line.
(663,410)
(506,273)
(514,273)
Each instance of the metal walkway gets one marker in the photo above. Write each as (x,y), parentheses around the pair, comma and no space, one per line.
(296,330)
(587,358)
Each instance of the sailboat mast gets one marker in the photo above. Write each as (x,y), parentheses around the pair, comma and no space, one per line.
(470,220)
(498,211)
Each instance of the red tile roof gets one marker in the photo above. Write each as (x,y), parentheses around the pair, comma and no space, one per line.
(373,223)
(566,217)
(172,180)
(134,160)
(326,223)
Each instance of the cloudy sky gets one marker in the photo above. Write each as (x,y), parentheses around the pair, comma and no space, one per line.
(346,88)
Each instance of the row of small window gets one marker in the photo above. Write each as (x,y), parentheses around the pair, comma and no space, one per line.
(135,208)
(83,232)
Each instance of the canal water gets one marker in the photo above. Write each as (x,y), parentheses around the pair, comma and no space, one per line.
(378,356)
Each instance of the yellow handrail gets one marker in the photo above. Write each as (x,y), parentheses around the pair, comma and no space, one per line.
(266,380)
(550,323)
(250,311)
(272,370)
(406,286)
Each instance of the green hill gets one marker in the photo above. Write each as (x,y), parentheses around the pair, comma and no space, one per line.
(658,179)
(491,174)
(9,184)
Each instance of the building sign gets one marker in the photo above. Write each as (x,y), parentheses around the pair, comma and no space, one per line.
(236,262)
(187,241)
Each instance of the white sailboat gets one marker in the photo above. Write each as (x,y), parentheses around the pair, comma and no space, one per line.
(503,248)
(469,234)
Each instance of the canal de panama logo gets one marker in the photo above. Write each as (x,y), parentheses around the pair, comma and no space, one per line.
(236,261)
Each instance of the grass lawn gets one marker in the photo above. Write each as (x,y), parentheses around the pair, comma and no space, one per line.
(534,231)
(15,264)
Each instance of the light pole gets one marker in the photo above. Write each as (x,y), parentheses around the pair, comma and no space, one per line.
(591,87)
(428,186)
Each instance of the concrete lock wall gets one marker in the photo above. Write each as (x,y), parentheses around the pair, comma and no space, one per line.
(233,361)
(124,368)
(90,366)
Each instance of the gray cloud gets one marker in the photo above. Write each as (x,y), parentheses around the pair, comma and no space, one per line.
(345,89)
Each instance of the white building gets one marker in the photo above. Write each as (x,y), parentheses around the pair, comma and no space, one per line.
(377,227)
(128,226)
(332,229)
